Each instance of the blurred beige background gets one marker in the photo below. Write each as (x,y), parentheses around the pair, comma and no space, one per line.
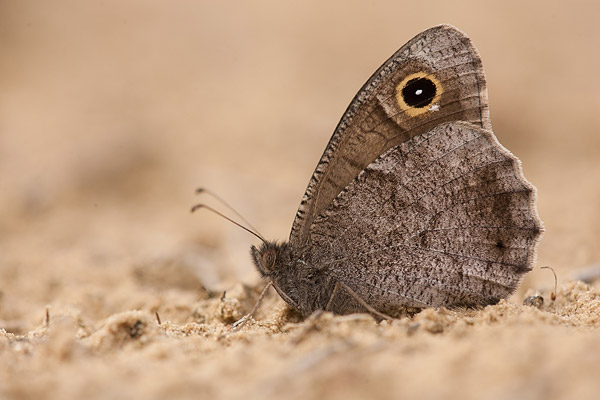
(112,113)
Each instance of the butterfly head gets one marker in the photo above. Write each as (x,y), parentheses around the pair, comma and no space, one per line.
(269,257)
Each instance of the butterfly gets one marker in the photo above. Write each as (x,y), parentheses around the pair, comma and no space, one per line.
(414,202)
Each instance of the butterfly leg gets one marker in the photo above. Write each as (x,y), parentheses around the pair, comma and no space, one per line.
(237,325)
(328,307)
(356,297)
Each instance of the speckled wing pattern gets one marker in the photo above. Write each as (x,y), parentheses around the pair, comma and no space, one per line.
(446,218)
(374,122)
(414,202)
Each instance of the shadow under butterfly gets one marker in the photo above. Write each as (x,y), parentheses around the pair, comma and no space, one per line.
(414,202)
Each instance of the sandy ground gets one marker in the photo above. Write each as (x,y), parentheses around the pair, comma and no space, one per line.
(112,113)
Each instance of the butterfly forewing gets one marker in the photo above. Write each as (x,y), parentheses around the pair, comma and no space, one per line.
(434,78)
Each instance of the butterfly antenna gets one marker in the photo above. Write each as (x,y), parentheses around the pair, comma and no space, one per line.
(198,206)
(220,199)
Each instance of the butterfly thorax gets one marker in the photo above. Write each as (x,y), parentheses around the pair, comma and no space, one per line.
(302,285)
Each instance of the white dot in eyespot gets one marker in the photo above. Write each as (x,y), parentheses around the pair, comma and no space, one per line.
(419,92)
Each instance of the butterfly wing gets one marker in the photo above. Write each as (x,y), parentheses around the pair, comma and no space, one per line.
(436,77)
(445,218)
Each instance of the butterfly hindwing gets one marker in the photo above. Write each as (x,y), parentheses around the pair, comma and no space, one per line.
(446,218)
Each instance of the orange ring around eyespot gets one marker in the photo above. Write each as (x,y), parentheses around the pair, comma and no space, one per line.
(414,111)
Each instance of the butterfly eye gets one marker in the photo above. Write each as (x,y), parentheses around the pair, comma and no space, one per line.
(268,259)
(418,92)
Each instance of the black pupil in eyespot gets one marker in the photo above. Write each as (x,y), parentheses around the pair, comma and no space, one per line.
(419,92)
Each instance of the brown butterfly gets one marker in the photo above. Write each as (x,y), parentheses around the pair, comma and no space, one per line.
(414,203)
